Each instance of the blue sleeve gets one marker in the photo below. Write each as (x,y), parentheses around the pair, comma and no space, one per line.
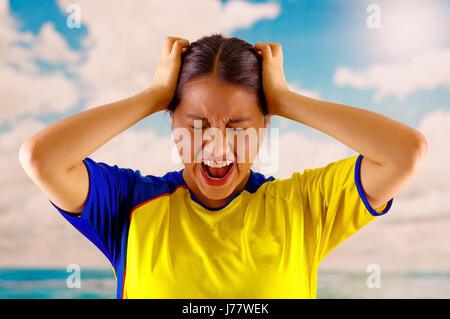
(107,208)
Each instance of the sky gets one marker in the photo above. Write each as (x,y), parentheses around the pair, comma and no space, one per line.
(49,71)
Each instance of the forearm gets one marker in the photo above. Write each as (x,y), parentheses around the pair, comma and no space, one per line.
(375,136)
(65,143)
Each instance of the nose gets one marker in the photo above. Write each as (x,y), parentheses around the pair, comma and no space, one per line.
(217,146)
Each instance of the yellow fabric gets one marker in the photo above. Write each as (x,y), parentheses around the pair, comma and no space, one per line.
(268,244)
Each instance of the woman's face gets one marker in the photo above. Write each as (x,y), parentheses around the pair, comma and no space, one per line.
(229,134)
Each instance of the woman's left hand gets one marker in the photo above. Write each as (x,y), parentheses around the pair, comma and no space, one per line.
(274,81)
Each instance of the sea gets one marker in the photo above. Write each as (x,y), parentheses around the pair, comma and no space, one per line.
(100,284)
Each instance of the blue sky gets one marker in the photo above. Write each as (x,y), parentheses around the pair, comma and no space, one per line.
(316,36)
(33,14)
(400,70)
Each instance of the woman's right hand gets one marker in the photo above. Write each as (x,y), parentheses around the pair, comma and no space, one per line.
(50,163)
(166,75)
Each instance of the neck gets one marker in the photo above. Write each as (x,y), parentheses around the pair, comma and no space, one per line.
(210,202)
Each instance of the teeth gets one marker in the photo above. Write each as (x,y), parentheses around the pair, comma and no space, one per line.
(217,164)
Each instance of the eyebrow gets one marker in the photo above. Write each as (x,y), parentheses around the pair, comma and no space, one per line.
(238,120)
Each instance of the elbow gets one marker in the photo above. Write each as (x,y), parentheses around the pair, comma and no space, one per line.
(419,152)
(28,157)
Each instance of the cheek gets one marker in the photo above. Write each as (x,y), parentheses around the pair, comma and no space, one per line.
(184,141)
(252,147)
(246,148)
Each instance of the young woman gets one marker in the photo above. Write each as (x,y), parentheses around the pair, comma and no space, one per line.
(217,229)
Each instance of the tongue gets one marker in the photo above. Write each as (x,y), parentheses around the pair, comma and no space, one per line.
(218,171)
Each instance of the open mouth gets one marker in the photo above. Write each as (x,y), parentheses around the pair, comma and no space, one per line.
(216,173)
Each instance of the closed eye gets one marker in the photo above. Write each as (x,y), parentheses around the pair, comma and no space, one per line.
(235,129)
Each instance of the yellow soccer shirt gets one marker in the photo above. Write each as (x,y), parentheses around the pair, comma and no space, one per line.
(265,242)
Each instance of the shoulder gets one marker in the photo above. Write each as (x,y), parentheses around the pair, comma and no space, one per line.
(133,185)
(166,183)
(311,180)
(270,186)
(148,187)
(256,180)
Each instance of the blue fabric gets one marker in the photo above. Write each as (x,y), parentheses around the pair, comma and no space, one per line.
(361,191)
(105,211)
(113,193)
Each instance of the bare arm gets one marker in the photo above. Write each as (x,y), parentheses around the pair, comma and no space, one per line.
(53,157)
(64,144)
(393,152)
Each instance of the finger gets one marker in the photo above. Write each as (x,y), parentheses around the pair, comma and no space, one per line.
(168,44)
(276,49)
(264,49)
(178,46)
(167,47)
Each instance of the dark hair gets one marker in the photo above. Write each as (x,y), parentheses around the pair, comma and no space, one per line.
(232,60)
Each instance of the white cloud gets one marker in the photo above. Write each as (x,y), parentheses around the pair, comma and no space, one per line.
(125,39)
(34,94)
(424,71)
(12,174)
(308,152)
(242,14)
(29,225)
(24,217)
(51,47)
(407,26)
(413,236)
(9,51)
(413,232)
(137,150)
(25,90)
(124,46)
(436,171)
(315,94)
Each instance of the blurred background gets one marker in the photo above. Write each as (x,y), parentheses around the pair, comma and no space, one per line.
(58,58)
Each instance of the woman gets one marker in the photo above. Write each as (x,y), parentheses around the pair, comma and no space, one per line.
(217,229)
